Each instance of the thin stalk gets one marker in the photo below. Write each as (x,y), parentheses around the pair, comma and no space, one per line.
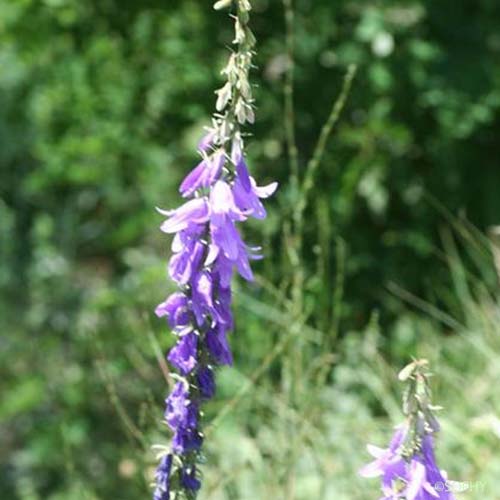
(319,151)
(289,116)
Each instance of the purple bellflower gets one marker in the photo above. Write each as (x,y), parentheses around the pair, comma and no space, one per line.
(207,250)
(408,468)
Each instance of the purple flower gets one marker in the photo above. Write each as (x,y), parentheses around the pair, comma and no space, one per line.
(388,462)
(434,475)
(192,212)
(218,347)
(225,266)
(160,494)
(241,167)
(186,440)
(179,411)
(206,382)
(176,309)
(224,213)
(245,190)
(202,288)
(412,479)
(204,175)
(162,476)
(248,199)
(222,307)
(183,355)
(188,255)
(189,479)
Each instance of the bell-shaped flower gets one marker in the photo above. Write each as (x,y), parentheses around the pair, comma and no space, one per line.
(184,354)
(185,263)
(248,199)
(206,382)
(175,307)
(192,212)
(217,345)
(388,462)
(222,307)
(224,212)
(412,478)
(189,479)
(204,174)
(245,190)
(201,295)
(162,477)
(179,411)
(186,440)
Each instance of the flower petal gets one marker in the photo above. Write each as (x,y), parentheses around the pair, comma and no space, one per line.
(194,211)
(264,191)
(417,479)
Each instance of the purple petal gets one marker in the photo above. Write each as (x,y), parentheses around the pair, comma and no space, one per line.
(189,479)
(194,211)
(176,411)
(417,479)
(186,440)
(225,270)
(204,288)
(398,438)
(375,451)
(193,180)
(264,191)
(241,168)
(373,469)
(221,198)
(183,264)
(206,382)
(183,355)
(175,308)
(243,265)
(225,235)
(206,141)
(218,346)
(213,252)
(247,201)
(162,477)
(215,167)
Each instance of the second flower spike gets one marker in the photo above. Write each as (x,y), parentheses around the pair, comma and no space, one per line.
(408,468)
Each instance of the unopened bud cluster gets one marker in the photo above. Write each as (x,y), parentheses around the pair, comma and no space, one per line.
(234,99)
(417,405)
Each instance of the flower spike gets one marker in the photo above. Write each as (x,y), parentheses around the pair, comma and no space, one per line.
(207,250)
(408,468)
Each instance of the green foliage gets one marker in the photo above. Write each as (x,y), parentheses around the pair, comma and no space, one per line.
(101,105)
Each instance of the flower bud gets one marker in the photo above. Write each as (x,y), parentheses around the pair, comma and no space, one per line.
(222,4)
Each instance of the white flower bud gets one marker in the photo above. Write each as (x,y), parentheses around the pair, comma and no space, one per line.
(222,4)
(224,95)
(240,111)
(240,32)
(250,113)
(244,88)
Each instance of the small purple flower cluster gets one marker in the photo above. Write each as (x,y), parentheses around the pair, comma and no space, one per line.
(416,477)
(207,248)
(408,467)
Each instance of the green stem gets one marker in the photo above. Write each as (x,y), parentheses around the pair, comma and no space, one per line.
(319,150)
(289,92)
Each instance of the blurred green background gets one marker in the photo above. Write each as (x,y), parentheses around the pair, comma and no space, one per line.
(101,105)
